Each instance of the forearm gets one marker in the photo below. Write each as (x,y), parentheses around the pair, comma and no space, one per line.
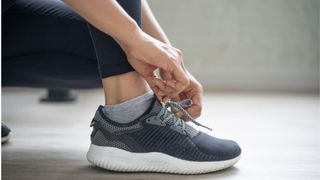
(145,52)
(108,16)
(150,25)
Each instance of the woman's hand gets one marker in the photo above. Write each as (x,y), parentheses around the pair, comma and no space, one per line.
(194,92)
(147,54)
(144,52)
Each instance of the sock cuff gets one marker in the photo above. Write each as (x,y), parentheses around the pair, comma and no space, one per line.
(137,100)
(130,110)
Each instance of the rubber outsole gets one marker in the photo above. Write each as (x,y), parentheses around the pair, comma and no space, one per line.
(124,161)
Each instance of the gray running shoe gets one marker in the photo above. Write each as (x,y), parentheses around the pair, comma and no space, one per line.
(158,141)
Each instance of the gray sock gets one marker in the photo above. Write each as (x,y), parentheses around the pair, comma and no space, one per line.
(130,110)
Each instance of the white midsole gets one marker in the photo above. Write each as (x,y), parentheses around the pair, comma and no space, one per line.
(120,160)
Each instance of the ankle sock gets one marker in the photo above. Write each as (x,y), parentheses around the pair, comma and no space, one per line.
(130,110)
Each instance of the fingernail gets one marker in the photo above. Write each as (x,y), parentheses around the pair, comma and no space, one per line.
(166,99)
(160,93)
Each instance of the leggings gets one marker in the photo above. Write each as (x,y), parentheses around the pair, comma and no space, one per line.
(47,44)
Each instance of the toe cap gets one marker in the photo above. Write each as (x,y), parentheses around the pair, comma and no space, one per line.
(221,149)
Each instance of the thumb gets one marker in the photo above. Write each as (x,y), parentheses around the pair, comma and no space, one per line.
(155,84)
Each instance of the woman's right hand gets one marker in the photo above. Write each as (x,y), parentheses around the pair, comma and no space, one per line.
(147,54)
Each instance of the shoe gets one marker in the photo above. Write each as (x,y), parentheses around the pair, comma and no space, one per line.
(5,133)
(158,141)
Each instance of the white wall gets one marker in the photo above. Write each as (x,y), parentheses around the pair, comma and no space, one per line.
(246,44)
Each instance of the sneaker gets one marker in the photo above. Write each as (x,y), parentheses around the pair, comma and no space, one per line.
(5,133)
(158,141)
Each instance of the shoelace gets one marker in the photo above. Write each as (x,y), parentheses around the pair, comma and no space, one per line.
(175,107)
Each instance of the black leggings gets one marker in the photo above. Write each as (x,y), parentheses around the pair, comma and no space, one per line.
(46,44)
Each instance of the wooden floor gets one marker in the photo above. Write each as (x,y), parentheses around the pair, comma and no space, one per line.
(279,136)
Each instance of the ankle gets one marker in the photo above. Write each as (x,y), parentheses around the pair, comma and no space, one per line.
(124,87)
(130,110)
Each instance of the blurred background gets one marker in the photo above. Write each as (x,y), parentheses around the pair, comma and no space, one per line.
(246,45)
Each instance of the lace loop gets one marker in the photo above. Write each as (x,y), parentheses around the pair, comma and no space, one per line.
(178,107)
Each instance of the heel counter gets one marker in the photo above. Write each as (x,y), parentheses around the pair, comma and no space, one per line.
(94,124)
(93,133)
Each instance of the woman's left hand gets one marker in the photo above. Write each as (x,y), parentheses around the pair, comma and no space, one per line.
(194,92)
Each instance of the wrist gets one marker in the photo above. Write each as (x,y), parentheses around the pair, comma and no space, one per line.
(129,35)
(136,43)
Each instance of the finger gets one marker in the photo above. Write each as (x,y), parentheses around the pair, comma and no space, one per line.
(194,111)
(159,97)
(163,89)
(155,89)
(181,78)
(177,98)
(178,74)
(154,84)
(159,82)
(171,83)
(166,99)
(165,75)
(160,94)
(197,98)
(183,96)
(174,92)
(168,89)
(196,108)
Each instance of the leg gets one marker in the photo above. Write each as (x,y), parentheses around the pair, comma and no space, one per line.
(121,88)
(120,81)
(40,43)
(127,95)
(46,44)
(65,56)
(157,141)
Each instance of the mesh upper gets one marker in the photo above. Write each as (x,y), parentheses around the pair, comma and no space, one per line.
(140,136)
(113,128)
(191,131)
(100,140)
